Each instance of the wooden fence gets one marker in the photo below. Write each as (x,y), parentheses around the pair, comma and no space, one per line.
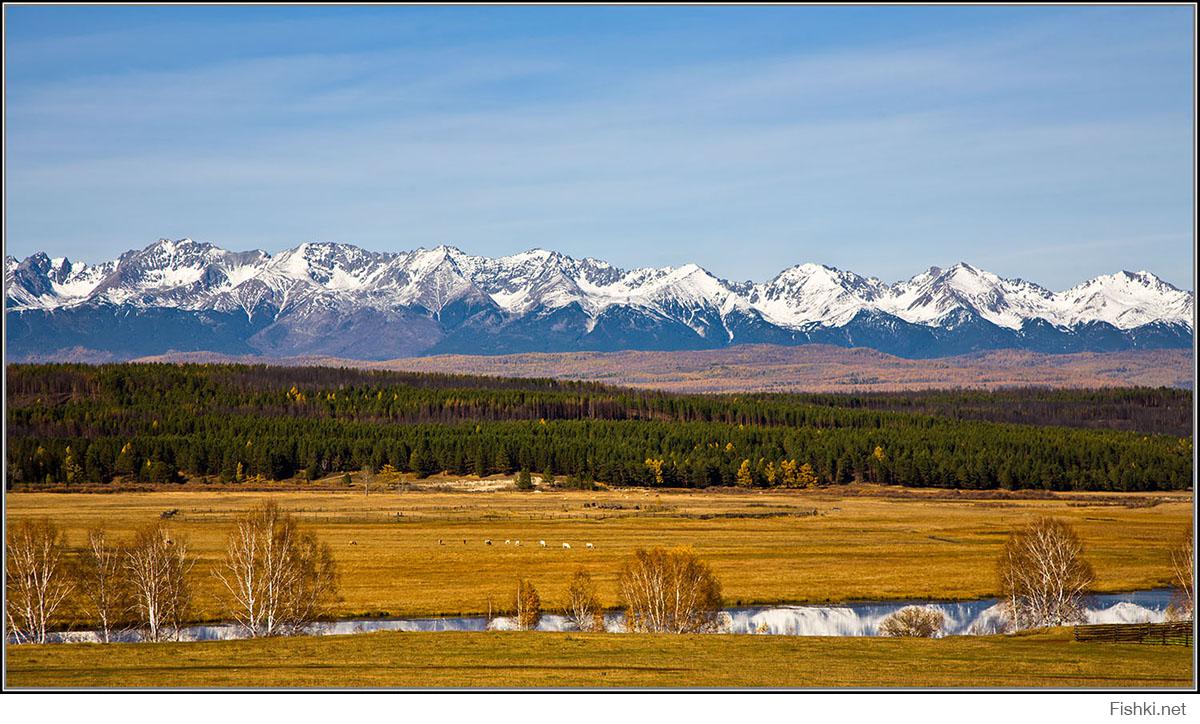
(1177,633)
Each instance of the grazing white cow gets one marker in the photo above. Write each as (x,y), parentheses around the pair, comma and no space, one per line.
(542,543)
(488,542)
(567,546)
(591,547)
(518,544)
(507,541)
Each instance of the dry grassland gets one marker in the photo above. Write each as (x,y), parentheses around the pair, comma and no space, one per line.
(403,553)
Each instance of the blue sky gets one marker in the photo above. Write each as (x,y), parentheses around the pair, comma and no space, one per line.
(1049,143)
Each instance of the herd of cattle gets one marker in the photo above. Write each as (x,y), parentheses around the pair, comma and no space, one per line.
(517,543)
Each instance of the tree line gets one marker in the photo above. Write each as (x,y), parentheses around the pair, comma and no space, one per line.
(161,423)
(409,397)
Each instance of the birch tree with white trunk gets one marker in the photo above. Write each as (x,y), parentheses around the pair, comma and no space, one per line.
(278,579)
(527,606)
(102,583)
(583,603)
(36,579)
(1043,575)
(670,591)
(156,568)
(1183,565)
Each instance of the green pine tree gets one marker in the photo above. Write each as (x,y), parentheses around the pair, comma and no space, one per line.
(421,461)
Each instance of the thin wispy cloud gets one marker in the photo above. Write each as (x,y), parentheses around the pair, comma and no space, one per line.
(884,157)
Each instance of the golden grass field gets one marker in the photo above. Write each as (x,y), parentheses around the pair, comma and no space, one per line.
(864,542)
(520,659)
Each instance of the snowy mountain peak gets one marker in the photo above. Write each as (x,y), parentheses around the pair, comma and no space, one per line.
(328,280)
(929,298)
(326,265)
(810,293)
(1144,278)
(1126,300)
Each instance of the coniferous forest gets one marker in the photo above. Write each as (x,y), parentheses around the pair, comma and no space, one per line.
(164,423)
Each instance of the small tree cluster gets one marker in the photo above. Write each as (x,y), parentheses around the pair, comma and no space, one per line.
(670,591)
(278,577)
(144,582)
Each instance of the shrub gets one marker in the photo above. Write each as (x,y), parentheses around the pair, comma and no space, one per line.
(921,621)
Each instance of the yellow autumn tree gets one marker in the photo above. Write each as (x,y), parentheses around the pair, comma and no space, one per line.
(745,477)
(527,606)
(788,468)
(806,476)
(656,467)
(669,591)
(771,473)
(72,470)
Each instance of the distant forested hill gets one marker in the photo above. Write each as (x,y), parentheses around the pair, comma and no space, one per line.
(1164,410)
(161,422)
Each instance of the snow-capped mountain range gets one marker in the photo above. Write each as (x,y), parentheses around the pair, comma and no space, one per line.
(339,299)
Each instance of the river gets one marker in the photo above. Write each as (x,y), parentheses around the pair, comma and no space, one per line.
(851,619)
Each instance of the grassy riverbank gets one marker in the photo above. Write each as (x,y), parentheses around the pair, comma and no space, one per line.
(537,659)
